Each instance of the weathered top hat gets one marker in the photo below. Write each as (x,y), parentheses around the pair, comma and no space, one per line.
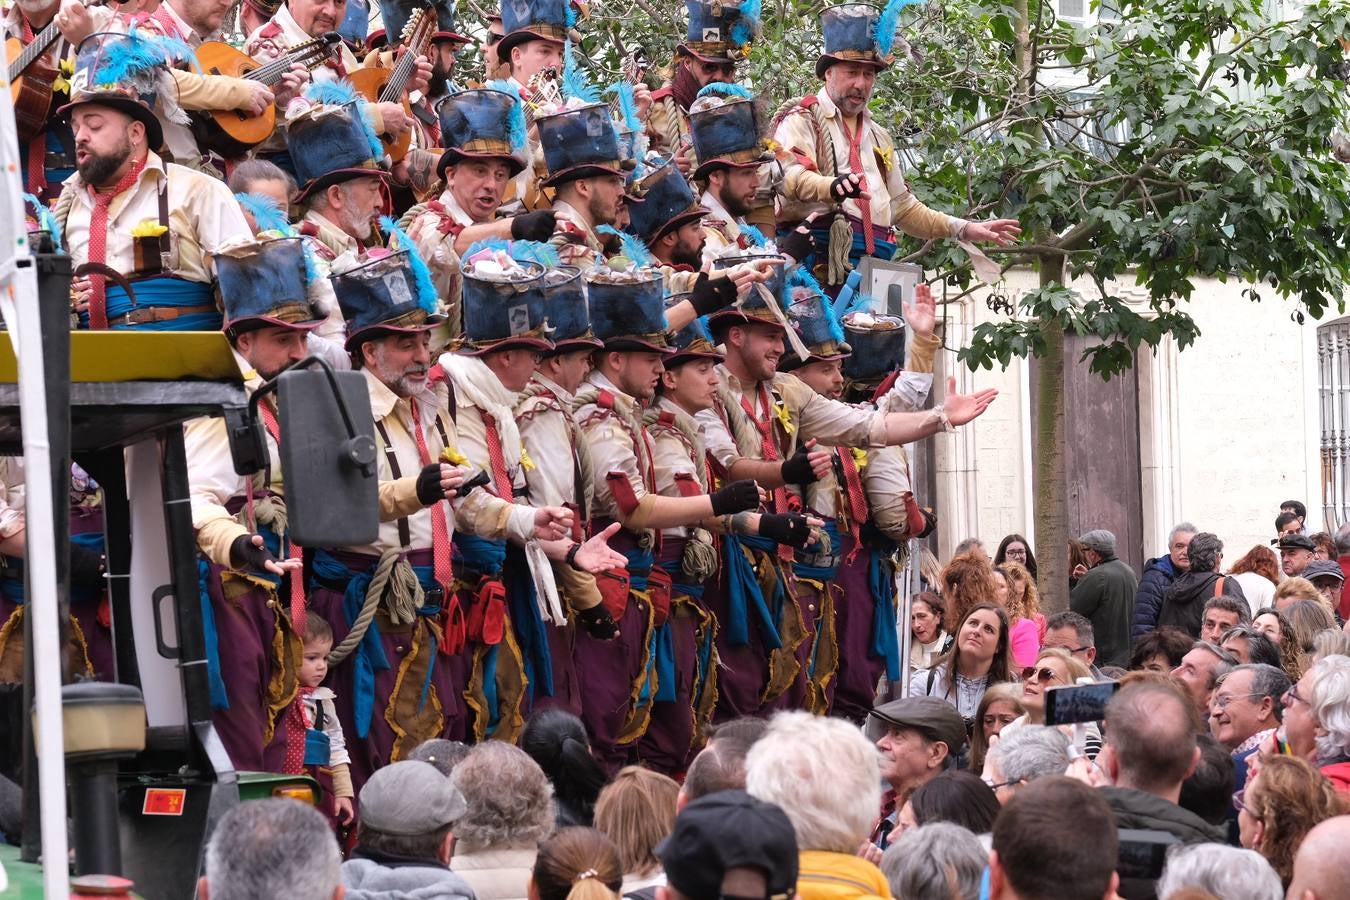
(129,73)
(628,310)
(727,126)
(332,140)
(386,294)
(396,14)
(859,33)
(503,308)
(580,143)
(811,315)
(266,283)
(721,32)
(752,307)
(533,20)
(567,312)
(663,202)
(483,124)
(878,343)
(691,342)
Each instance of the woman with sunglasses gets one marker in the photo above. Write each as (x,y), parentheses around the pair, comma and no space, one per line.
(1054,668)
(978,659)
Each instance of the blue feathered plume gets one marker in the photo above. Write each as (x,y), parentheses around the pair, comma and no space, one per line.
(518,128)
(627,105)
(754,236)
(46,221)
(265,212)
(545,255)
(487,244)
(127,59)
(887,23)
(861,303)
(575,86)
(724,89)
(571,17)
(744,29)
(633,247)
(426,291)
(340,93)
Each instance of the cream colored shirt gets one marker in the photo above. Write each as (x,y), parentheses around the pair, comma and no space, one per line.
(807,177)
(677,451)
(264,49)
(203,216)
(613,448)
(438,250)
(720,228)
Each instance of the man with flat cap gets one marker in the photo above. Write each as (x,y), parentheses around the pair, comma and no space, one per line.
(729,844)
(404,842)
(919,738)
(1105,595)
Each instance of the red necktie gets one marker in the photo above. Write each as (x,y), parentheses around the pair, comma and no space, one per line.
(296,726)
(98,241)
(855,163)
(771,454)
(857,504)
(501,478)
(297,576)
(440,531)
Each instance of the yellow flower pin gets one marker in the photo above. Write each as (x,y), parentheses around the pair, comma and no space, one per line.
(61,84)
(859,457)
(148,228)
(780,411)
(525,462)
(452,456)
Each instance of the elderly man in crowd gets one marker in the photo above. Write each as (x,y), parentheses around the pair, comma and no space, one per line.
(1184,603)
(919,738)
(1105,596)
(1200,669)
(1158,577)
(720,765)
(1073,634)
(929,860)
(1025,754)
(404,843)
(1039,851)
(1245,710)
(1319,867)
(272,848)
(825,776)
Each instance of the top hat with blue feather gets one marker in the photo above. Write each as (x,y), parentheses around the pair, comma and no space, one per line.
(859,33)
(663,202)
(727,126)
(692,342)
(580,143)
(534,20)
(628,314)
(504,313)
(396,14)
(811,315)
(878,346)
(482,124)
(265,284)
(719,32)
(752,308)
(126,72)
(333,140)
(387,294)
(567,312)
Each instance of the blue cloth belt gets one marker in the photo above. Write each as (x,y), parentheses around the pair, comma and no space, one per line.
(745,596)
(885,641)
(161,290)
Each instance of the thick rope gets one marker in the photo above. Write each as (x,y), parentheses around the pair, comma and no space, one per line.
(407,594)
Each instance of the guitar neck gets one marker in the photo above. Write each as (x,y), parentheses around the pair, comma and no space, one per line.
(42,42)
(403,69)
(308,55)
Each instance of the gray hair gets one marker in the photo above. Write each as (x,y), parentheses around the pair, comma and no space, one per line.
(823,773)
(1330,642)
(1204,552)
(1226,660)
(1031,752)
(1329,698)
(1081,625)
(273,848)
(1227,872)
(442,754)
(967,545)
(1342,540)
(509,797)
(940,861)
(1180,528)
(1267,681)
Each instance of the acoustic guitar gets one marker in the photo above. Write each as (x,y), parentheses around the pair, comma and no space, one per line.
(232,132)
(31,76)
(380,85)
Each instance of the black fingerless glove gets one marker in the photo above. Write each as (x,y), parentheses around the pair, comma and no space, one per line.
(796,244)
(533,226)
(429,484)
(86,567)
(930,519)
(797,468)
(711,294)
(244,555)
(790,529)
(598,623)
(739,496)
(846,187)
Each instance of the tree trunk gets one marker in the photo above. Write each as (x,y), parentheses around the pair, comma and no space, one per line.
(1052,527)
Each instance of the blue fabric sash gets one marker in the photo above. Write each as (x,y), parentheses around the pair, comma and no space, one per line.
(705,647)
(369,656)
(486,557)
(161,290)
(822,573)
(743,592)
(659,642)
(821,236)
(531,631)
(885,642)
(12,584)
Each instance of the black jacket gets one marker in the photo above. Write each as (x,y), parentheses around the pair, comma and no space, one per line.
(1184,602)
(1138,810)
